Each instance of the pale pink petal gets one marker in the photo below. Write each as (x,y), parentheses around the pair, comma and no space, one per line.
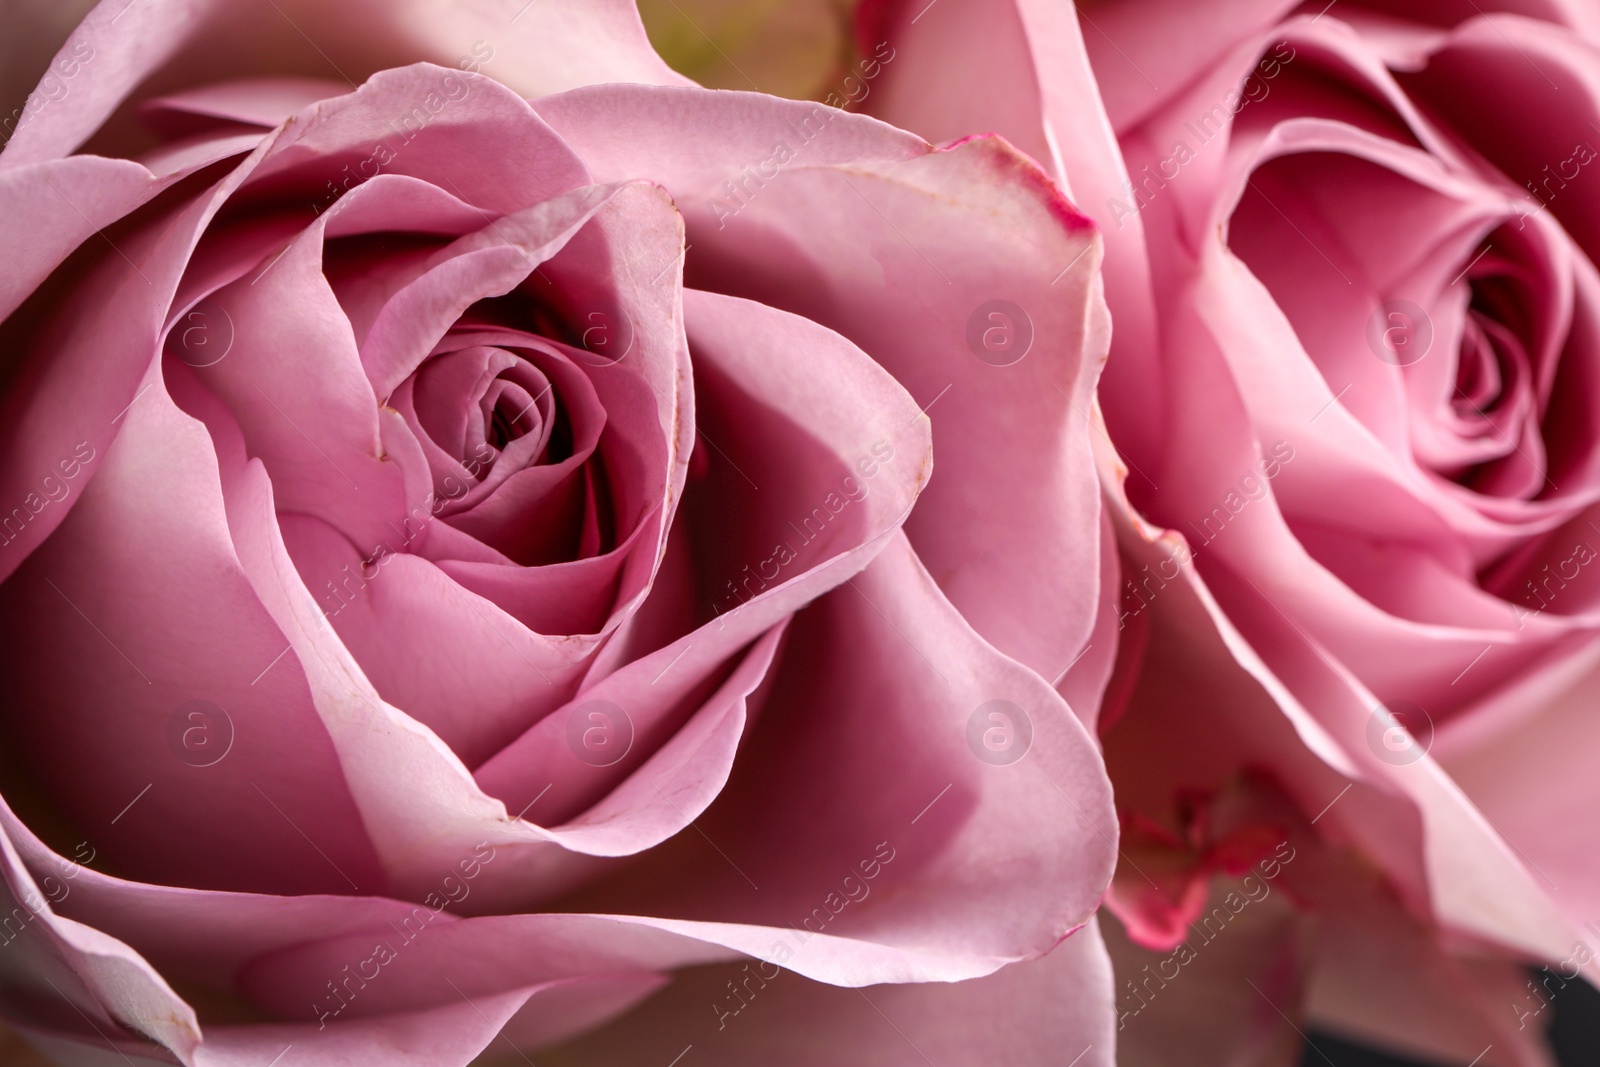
(1045,1012)
(885,267)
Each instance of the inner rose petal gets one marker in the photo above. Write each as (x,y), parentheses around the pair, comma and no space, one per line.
(1479,384)
(482,406)
(511,415)
(1341,238)
(508,429)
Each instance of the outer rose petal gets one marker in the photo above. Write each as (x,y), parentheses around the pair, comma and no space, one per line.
(59,204)
(447,1036)
(1084,683)
(36,29)
(907,930)
(931,82)
(974,885)
(1536,782)
(1375,958)
(1036,1014)
(184,627)
(125,59)
(56,972)
(191,42)
(534,41)
(1061,121)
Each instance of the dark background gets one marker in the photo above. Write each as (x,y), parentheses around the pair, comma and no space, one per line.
(1574,1035)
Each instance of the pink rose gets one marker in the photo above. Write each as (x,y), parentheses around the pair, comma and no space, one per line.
(1351,262)
(1372,265)
(447,614)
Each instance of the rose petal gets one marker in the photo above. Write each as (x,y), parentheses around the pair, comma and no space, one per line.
(118,47)
(183,647)
(95,982)
(1043,1012)
(772,386)
(901,780)
(898,239)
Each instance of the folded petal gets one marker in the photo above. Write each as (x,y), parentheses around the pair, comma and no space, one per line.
(1010,530)
(1030,1014)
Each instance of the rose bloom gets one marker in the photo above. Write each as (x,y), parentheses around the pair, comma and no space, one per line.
(1372,263)
(474,576)
(1352,395)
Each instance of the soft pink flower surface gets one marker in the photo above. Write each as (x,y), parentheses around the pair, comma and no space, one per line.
(474,571)
(1351,259)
